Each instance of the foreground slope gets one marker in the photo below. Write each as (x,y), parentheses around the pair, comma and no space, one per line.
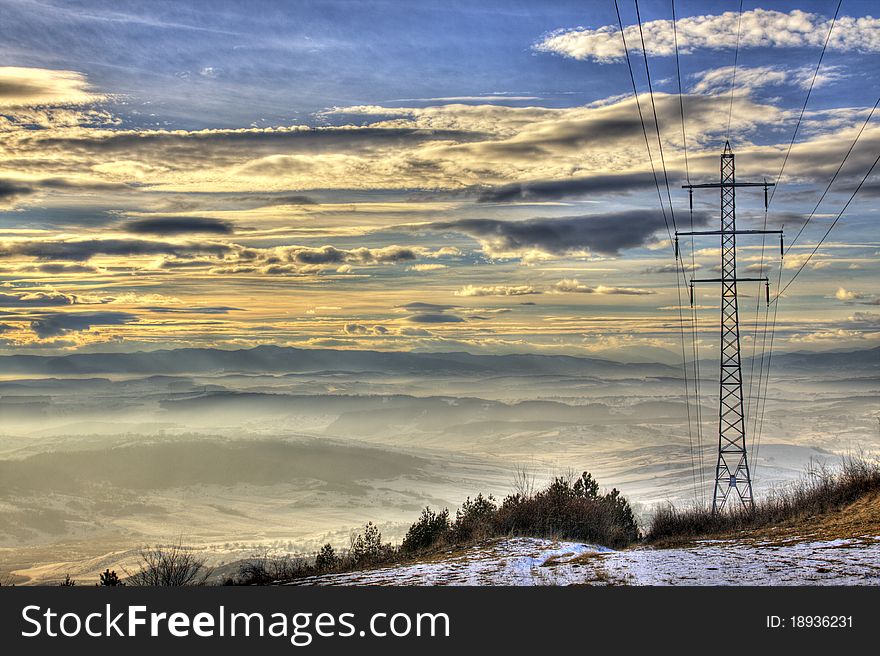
(839,548)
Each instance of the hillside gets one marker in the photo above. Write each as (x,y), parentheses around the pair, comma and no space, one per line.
(837,548)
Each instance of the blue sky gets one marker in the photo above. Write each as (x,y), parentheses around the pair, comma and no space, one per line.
(428,146)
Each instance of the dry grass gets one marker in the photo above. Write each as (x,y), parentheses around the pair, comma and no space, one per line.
(786,509)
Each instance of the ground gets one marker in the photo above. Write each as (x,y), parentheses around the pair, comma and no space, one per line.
(840,548)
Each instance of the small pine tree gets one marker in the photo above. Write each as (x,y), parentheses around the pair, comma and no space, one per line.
(586,486)
(367,546)
(109,578)
(326,559)
(430,528)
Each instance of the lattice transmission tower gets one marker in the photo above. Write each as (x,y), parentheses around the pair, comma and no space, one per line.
(732,476)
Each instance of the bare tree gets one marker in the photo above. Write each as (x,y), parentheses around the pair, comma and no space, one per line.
(523,482)
(170,566)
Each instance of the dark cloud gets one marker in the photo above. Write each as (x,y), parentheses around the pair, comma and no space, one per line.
(271,201)
(178,225)
(82,250)
(607,234)
(204,148)
(37,299)
(217,309)
(363,255)
(11,190)
(547,190)
(425,307)
(53,325)
(670,268)
(434,318)
(58,267)
(361,329)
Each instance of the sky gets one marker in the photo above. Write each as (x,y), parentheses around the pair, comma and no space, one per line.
(427,176)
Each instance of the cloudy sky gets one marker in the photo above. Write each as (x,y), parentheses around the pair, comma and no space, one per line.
(422,176)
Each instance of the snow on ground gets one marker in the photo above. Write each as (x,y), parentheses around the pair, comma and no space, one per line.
(514,561)
(728,562)
(529,561)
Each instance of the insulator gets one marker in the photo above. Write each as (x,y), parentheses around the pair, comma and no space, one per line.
(766,199)
(692,294)
(781,247)
(691,198)
(767,283)
(676,248)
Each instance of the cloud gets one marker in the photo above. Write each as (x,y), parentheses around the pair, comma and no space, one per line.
(497,290)
(548,190)
(28,87)
(53,325)
(872,319)
(418,306)
(749,78)
(81,250)
(573,285)
(362,329)
(426,267)
(178,226)
(671,268)
(760,28)
(60,267)
(217,309)
(606,234)
(12,191)
(333,255)
(46,299)
(847,295)
(434,318)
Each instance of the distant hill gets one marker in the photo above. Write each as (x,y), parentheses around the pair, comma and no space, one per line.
(276,359)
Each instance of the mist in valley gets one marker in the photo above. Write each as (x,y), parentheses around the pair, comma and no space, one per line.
(235,452)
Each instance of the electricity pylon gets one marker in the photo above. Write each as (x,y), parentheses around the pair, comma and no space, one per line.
(732,469)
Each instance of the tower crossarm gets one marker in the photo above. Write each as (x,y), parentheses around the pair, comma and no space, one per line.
(726,185)
(728,232)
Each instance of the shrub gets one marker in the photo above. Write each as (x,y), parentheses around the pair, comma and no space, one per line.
(170,566)
(67,582)
(326,560)
(367,547)
(574,511)
(109,578)
(430,529)
(474,519)
(264,569)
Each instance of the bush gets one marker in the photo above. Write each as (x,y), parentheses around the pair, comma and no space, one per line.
(474,519)
(820,491)
(67,582)
(109,578)
(430,529)
(367,547)
(326,560)
(170,566)
(573,511)
(264,569)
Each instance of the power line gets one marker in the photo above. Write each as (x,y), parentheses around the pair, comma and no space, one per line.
(830,228)
(657,185)
(654,109)
(834,177)
(762,400)
(694,347)
(735,60)
(675,227)
(642,119)
(806,100)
